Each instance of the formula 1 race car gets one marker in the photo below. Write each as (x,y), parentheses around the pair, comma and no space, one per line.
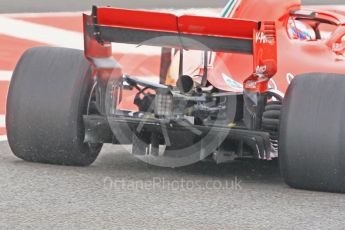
(236,102)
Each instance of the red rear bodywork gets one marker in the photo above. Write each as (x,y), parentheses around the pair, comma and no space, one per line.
(221,35)
(251,47)
(294,56)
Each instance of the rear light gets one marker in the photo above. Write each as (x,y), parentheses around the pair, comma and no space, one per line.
(163,103)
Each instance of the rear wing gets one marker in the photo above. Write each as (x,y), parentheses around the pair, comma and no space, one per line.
(107,25)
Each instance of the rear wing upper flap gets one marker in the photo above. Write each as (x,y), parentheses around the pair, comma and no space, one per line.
(168,30)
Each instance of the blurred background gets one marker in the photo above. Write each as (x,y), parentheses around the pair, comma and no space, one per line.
(27,6)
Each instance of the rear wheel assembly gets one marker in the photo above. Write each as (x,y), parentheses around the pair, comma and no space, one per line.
(48,96)
(312,133)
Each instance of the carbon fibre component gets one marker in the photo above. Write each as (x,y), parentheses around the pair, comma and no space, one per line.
(98,130)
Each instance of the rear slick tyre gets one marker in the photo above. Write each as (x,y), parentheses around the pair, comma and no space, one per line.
(312,133)
(47,98)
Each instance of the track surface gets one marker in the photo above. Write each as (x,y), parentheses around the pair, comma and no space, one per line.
(48,197)
(35,196)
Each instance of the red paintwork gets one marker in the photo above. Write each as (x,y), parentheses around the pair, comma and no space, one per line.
(265,58)
(186,24)
(294,56)
(95,50)
(137,19)
(263,37)
(217,27)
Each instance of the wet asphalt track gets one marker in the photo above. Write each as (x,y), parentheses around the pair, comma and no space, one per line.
(36,196)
